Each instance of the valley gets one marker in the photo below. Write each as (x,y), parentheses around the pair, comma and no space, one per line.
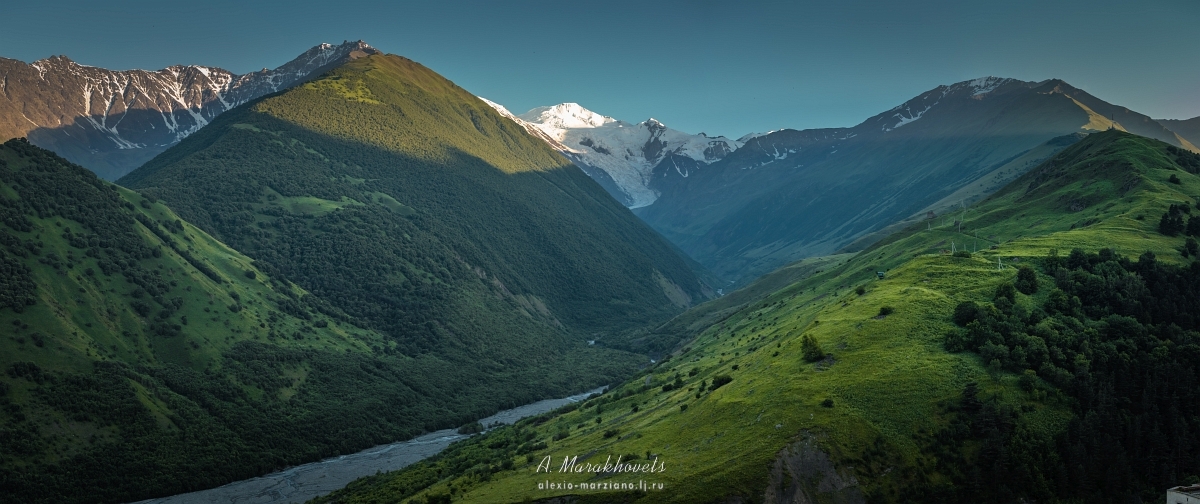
(869,375)
(349,279)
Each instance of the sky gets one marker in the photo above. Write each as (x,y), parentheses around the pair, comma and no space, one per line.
(723,68)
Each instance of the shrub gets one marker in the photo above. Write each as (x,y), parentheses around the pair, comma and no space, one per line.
(1006,290)
(811,349)
(827,403)
(885,311)
(965,313)
(1028,380)
(720,381)
(860,290)
(1191,247)
(1027,281)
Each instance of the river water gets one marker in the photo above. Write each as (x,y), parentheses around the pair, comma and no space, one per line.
(304,482)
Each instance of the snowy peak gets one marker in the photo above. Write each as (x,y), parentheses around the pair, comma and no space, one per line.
(982,85)
(558,119)
(626,153)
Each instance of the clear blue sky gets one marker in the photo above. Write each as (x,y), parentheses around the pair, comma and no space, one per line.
(728,67)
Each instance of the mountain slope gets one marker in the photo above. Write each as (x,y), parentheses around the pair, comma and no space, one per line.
(621,156)
(113,121)
(383,144)
(143,358)
(1189,129)
(792,194)
(840,387)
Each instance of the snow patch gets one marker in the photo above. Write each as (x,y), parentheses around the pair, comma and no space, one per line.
(746,138)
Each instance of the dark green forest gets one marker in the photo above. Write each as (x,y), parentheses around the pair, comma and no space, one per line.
(1119,340)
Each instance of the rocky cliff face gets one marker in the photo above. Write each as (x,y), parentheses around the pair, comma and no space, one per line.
(113,121)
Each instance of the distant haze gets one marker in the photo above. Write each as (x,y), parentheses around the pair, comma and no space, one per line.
(724,68)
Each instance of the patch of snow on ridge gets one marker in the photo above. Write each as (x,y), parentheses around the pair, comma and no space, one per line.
(746,138)
(985,85)
(912,117)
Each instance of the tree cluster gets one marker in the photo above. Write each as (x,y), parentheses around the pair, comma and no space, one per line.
(1121,338)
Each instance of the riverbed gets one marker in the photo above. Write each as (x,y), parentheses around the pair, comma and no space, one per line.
(304,482)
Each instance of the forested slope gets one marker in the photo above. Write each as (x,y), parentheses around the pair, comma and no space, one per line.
(368,185)
(141,357)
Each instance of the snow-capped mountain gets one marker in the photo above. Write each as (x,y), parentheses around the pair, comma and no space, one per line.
(112,121)
(633,156)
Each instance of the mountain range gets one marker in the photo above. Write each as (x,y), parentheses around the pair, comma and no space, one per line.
(113,121)
(766,200)
(994,298)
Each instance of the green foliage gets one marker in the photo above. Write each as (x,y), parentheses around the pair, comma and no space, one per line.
(810,349)
(1006,291)
(965,313)
(885,311)
(720,381)
(1112,331)
(1027,281)
(1172,221)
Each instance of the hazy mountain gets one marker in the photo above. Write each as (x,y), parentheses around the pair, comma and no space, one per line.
(956,377)
(113,121)
(1189,129)
(790,194)
(634,162)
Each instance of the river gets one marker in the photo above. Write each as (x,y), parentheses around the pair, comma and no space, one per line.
(304,482)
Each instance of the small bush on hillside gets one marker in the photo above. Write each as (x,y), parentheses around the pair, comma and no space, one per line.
(811,349)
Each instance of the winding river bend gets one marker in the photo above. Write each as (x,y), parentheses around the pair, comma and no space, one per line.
(304,482)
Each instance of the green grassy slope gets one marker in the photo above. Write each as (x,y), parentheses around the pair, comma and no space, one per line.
(890,415)
(141,357)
